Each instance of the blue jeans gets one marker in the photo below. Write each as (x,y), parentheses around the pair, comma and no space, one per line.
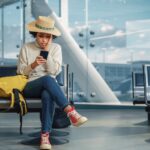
(50,92)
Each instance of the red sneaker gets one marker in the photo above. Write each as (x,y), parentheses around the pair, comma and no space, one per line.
(45,143)
(75,118)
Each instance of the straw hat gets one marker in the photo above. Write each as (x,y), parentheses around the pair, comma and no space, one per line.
(45,25)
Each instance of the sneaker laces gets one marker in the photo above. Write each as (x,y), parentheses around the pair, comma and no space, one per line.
(74,114)
(45,138)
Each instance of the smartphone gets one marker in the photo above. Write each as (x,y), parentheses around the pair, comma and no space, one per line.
(44,54)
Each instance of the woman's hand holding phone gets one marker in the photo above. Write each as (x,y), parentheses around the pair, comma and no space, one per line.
(38,61)
(44,52)
(43,56)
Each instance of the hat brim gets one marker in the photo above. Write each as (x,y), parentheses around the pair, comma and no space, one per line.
(31,27)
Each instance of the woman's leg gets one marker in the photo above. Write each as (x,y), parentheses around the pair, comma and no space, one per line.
(50,85)
(55,91)
(35,90)
(48,89)
(47,112)
(46,119)
(53,88)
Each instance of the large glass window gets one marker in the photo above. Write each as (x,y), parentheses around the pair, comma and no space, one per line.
(55,6)
(116,39)
(114,35)
(29,15)
(0,32)
(12,29)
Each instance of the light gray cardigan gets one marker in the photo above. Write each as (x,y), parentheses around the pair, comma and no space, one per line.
(28,54)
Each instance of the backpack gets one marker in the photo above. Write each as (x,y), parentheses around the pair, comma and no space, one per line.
(60,119)
(11,87)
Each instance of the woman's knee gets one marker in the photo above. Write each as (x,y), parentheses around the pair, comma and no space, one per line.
(49,83)
(48,79)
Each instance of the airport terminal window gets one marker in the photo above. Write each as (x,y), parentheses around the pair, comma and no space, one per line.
(76,18)
(113,34)
(55,6)
(28,18)
(148,75)
(0,32)
(12,30)
(139,79)
(121,37)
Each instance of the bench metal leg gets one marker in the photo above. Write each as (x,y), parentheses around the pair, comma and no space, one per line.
(148,115)
(20,118)
(148,118)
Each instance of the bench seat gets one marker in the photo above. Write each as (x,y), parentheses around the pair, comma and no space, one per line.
(31,103)
(34,104)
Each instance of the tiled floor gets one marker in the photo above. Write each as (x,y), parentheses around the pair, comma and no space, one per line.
(107,129)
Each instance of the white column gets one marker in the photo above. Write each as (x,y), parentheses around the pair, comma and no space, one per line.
(64,11)
(46,1)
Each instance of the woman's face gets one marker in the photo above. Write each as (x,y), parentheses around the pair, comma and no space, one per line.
(43,39)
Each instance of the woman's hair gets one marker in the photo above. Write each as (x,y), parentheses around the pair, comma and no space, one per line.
(35,33)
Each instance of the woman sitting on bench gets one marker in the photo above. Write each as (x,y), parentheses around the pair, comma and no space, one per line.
(41,62)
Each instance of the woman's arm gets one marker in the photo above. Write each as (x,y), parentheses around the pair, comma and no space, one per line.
(22,66)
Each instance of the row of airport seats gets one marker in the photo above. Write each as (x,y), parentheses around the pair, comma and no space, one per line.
(138,88)
(34,104)
(141,88)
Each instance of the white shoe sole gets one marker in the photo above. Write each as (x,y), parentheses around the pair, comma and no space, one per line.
(45,147)
(80,122)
